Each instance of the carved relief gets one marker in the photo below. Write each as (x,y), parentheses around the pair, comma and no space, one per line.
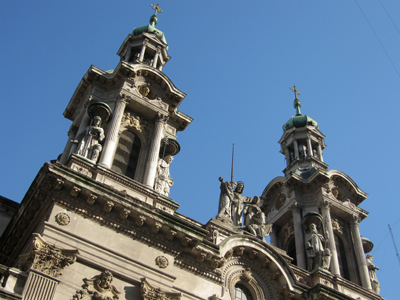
(62,219)
(149,292)
(162,262)
(246,275)
(98,288)
(47,258)
(336,226)
(144,89)
(134,121)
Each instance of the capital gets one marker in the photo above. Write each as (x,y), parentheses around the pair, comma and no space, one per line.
(123,98)
(162,117)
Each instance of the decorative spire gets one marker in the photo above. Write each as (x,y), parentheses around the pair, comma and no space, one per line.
(296,102)
(156,8)
(153,18)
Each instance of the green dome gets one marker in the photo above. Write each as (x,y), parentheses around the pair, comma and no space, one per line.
(299,120)
(151,29)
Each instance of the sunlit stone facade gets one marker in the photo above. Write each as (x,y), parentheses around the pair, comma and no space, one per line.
(99,223)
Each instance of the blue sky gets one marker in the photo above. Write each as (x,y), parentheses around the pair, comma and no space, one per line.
(236,61)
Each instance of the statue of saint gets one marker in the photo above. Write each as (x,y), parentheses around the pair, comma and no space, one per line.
(372,275)
(225,201)
(231,202)
(315,243)
(163,180)
(89,141)
(237,204)
(254,219)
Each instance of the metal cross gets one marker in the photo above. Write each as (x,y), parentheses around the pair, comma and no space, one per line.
(295,91)
(156,8)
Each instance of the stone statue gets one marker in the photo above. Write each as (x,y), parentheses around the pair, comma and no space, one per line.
(315,245)
(163,180)
(237,204)
(372,275)
(254,219)
(225,201)
(89,141)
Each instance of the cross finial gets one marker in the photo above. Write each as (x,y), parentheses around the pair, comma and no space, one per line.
(295,91)
(156,8)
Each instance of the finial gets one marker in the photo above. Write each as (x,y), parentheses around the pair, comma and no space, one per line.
(156,8)
(295,91)
(296,103)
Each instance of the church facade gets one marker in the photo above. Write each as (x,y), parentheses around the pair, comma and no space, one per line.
(98,223)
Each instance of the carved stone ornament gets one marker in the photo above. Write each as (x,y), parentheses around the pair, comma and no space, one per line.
(162,262)
(98,288)
(144,89)
(149,292)
(62,219)
(47,258)
(133,121)
(246,275)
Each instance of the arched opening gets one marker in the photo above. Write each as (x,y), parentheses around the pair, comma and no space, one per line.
(127,154)
(341,253)
(242,293)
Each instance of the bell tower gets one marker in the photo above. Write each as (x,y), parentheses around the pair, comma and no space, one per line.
(314,211)
(125,121)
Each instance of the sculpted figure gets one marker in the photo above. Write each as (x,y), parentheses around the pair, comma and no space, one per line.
(254,219)
(163,180)
(237,204)
(372,275)
(225,201)
(89,141)
(315,243)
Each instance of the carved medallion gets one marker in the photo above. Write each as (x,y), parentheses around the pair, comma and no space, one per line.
(62,219)
(162,262)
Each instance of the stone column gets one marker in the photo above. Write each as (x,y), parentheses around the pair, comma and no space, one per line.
(296,149)
(141,57)
(287,154)
(326,214)
(110,143)
(360,255)
(156,58)
(299,237)
(71,134)
(154,150)
(309,147)
(273,237)
(320,151)
(128,54)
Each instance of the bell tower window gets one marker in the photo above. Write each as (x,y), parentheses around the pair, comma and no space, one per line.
(127,154)
(344,269)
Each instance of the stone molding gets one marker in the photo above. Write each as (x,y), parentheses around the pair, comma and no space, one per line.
(47,258)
